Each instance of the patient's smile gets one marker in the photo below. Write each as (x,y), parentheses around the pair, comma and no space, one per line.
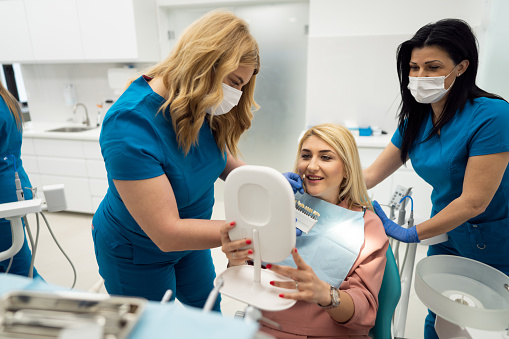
(320,158)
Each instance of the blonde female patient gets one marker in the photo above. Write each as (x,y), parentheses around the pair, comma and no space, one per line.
(330,304)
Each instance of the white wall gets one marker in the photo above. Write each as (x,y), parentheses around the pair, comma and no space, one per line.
(45,84)
(352,54)
(351,68)
(493,65)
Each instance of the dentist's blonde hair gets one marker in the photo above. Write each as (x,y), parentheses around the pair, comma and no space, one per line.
(353,188)
(211,48)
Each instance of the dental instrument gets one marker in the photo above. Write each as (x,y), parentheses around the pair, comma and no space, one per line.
(406,265)
(406,271)
(167,296)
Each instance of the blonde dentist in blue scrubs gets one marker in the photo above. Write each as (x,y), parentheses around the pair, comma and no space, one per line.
(165,141)
(457,137)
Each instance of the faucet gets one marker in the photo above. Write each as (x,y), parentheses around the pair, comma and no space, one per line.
(86,121)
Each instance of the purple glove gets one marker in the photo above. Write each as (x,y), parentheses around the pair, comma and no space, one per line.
(394,230)
(295,181)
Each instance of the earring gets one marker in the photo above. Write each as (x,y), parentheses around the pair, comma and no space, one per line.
(459,74)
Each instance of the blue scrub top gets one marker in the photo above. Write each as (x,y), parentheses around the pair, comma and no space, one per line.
(481,128)
(139,143)
(10,145)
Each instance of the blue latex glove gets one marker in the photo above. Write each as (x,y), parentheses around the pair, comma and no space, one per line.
(295,181)
(394,230)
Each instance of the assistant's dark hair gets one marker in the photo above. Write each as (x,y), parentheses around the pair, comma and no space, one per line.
(456,38)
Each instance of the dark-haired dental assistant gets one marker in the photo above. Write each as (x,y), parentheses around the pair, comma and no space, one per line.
(457,137)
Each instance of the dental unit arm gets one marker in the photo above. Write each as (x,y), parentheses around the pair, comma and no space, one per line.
(13,212)
(16,211)
(397,204)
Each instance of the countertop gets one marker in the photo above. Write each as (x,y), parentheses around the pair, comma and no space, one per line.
(35,129)
(374,141)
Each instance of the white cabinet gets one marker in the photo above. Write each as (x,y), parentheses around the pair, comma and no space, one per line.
(54,29)
(79,31)
(404,176)
(75,163)
(14,33)
(119,29)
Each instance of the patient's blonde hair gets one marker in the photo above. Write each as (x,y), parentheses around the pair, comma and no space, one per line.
(13,106)
(353,188)
(208,50)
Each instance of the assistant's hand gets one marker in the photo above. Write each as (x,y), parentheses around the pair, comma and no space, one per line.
(394,230)
(295,181)
(310,287)
(235,255)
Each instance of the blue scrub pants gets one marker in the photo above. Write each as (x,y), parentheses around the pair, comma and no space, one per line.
(487,243)
(190,277)
(21,262)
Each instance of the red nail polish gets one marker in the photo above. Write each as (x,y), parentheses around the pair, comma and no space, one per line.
(268,266)
(249,252)
(248,242)
(232,223)
(272,283)
(296,250)
(282,295)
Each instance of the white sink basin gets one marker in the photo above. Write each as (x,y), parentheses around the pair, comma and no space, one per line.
(71,129)
(464,292)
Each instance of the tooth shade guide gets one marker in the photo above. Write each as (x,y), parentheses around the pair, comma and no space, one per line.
(306,216)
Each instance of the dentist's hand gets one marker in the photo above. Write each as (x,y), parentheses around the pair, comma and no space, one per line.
(394,230)
(295,181)
(233,249)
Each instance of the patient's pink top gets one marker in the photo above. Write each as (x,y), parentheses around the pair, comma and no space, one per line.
(362,284)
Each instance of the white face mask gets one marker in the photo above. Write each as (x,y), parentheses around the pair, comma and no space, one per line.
(428,90)
(231,97)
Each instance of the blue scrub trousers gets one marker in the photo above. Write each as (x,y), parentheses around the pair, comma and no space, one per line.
(487,243)
(190,277)
(21,262)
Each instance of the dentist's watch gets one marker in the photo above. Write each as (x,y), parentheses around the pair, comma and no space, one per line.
(334,299)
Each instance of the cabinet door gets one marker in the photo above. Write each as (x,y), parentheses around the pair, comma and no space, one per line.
(59,148)
(54,29)
(14,36)
(62,166)
(108,29)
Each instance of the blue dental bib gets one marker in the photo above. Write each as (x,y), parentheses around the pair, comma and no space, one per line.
(333,244)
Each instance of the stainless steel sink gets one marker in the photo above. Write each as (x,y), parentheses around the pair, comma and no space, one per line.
(71,129)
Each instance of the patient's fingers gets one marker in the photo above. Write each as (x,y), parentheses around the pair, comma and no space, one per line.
(291,285)
(301,264)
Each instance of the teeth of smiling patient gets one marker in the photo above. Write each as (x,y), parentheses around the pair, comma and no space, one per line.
(313,178)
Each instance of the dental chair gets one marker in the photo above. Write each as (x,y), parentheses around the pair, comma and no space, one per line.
(388,298)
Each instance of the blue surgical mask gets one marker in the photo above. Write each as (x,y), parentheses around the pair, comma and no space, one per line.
(428,90)
(231,98)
